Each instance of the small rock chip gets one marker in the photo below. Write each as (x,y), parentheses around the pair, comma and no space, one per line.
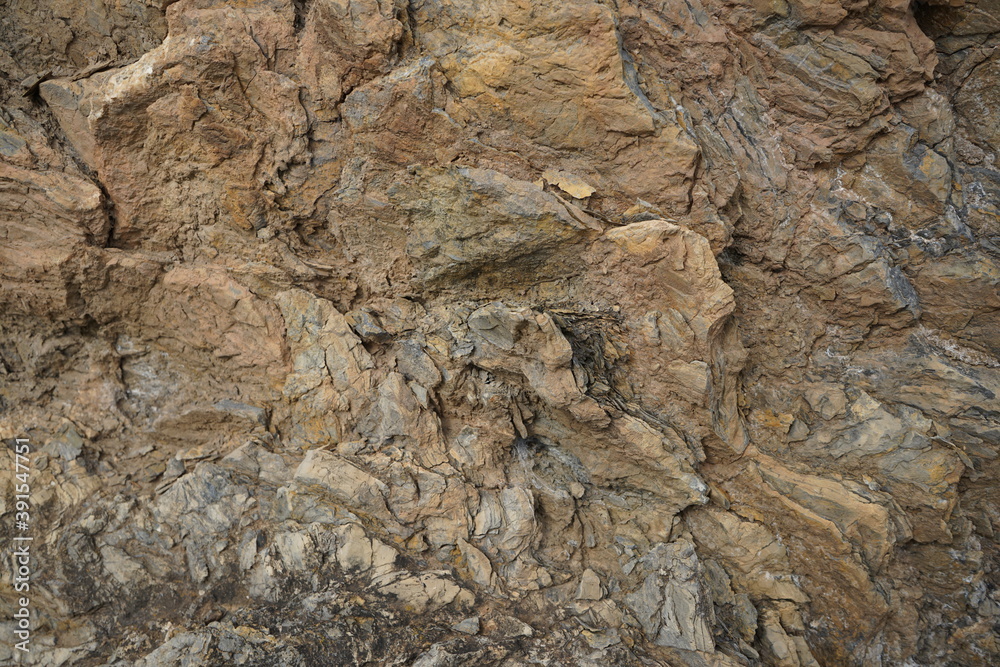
(569,183)
(469,626)
(590,586)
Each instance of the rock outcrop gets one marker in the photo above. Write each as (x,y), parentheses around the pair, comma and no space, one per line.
(442,333)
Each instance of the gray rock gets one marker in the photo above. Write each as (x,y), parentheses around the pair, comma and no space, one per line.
(669,600)
(468,626)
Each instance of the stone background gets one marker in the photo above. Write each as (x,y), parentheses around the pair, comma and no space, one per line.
(581,332)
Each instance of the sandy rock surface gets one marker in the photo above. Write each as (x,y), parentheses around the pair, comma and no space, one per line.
(442,333)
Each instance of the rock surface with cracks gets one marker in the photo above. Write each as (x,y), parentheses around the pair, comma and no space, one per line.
(374,332)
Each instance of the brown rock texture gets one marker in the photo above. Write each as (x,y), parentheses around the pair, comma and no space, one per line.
(440,333)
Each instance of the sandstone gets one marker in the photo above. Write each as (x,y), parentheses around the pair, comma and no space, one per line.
(571,184)
(590,586)
(479,566)
(419,594)
(512,228)
(452,333)
(344,480)
(355,550)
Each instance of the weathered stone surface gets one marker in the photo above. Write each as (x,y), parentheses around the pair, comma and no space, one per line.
(668,603)
(482,224)
(447,333)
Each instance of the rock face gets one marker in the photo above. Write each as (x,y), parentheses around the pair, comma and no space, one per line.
(445,333)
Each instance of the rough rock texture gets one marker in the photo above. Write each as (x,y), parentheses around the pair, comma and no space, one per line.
(648,332)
